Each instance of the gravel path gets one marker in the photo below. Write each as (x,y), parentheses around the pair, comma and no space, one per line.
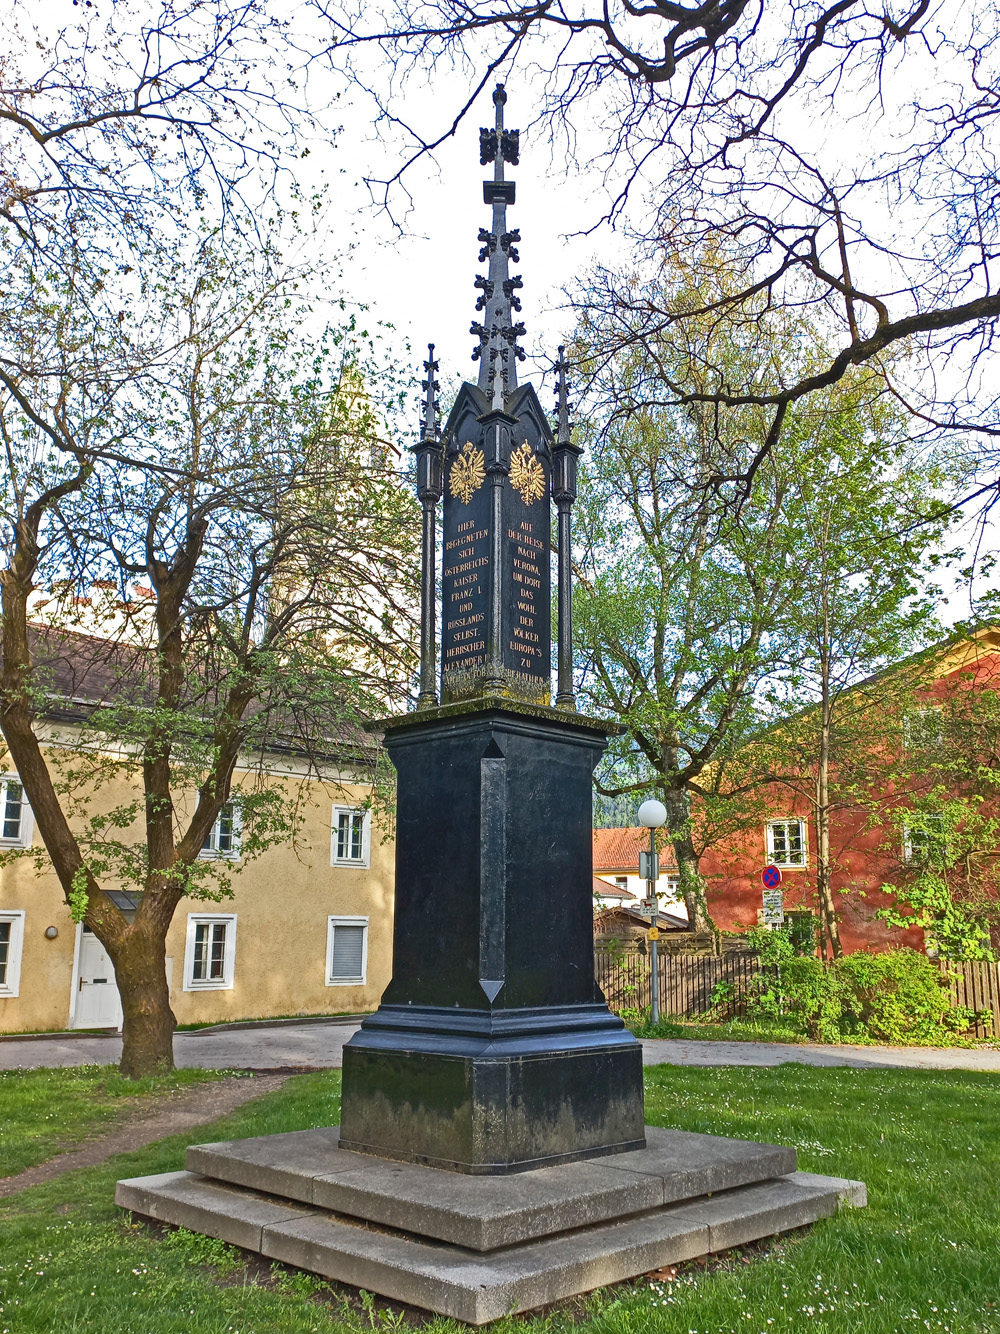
(678,1051)
(171,1116)
(321,1045)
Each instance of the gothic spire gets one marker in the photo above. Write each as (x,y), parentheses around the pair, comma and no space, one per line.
(498,352)
(430,422)
(562,399)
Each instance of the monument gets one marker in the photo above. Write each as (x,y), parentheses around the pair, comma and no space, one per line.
(493,1050)
(491,1154)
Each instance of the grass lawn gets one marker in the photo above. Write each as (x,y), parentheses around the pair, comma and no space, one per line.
(43,1112)
(924,1255)
(734,1030)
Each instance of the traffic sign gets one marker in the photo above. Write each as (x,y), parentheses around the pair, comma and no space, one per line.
(771,877)
(653,933)
(648,906)
(774,907)
(649,866)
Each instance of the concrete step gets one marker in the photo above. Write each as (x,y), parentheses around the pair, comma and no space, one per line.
(471,1285)
(485,1213)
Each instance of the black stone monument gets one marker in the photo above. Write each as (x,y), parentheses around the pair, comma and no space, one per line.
(493,1049)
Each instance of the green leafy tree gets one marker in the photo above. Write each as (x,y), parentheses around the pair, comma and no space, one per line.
(869,522)
(700,624)
(681,605)
(228,455)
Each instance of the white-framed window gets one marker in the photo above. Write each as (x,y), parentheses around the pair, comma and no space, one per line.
(15,813)
(11,941)
(346,951)
(786,842)
(926,843)
(210,952)
(621,881)
(350,836)
(671,886)
(922,728)
(223,839)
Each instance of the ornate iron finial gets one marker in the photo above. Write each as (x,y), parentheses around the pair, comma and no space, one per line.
(498,352)
(563,427)
(430,422)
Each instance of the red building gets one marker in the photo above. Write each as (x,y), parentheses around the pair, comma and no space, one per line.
(870,843)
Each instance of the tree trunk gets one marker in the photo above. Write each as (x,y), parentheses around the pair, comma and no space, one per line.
(678,804)
(149,1023)
(824,887)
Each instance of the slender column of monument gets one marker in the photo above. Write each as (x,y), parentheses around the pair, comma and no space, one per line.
(565,456)
(428,455)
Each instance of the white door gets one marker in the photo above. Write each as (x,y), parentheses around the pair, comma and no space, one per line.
(98,1004)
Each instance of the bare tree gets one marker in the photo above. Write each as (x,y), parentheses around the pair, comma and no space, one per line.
(844,151)
(138,113)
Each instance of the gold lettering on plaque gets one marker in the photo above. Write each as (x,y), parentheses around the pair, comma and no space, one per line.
(467,473)
(527,476)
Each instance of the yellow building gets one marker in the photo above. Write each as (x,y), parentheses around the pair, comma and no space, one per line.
(308,929)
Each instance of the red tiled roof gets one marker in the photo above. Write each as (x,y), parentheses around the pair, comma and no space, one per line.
(606,889)
(618,849)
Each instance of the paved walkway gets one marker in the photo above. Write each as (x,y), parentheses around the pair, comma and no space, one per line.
(321,1045)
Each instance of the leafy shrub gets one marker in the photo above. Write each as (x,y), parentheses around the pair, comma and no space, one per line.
(722,1003)
(813,991)
(895,997)
(960,1018)
(898,996)
(802,929)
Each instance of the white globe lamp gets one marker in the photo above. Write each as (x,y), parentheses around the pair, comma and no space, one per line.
(652,814)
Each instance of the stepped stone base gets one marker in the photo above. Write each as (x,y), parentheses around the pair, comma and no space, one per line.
(480,1248)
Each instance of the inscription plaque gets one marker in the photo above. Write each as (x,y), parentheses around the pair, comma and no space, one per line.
(465,584)
(526,588)
(495,581)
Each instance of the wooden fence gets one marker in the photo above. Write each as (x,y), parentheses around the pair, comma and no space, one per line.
(976,986)
(687,982)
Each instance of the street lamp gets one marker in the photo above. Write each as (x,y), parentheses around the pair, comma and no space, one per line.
(653,816)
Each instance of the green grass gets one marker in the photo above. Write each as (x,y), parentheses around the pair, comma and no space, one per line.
(924,1255)
(778,1029)
(734,1030)
(43,1112)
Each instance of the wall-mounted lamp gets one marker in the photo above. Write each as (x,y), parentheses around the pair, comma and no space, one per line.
(51,932)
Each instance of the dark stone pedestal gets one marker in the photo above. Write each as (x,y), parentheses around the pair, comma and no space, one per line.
(493,1050)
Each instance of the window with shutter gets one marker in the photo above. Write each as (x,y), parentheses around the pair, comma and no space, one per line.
(347,951)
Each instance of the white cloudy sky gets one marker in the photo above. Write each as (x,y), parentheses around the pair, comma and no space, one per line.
(419,273)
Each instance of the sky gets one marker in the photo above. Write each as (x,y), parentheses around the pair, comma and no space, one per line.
(417,271)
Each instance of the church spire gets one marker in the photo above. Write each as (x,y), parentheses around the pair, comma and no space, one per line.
(498,352)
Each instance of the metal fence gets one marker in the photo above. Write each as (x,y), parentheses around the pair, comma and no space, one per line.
(688,981)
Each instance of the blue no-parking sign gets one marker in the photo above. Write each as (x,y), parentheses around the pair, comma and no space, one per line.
(771,877)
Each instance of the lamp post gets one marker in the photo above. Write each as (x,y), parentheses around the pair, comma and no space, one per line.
(653,816)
